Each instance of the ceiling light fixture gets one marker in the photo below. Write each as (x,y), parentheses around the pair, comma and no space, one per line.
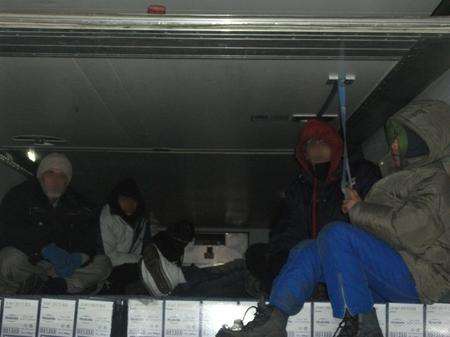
(32,155)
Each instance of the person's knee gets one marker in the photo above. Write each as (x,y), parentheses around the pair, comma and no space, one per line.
(103,265)
(334,231)
(11,258)
(302,245)
(303,249)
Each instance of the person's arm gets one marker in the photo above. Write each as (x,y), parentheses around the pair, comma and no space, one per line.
(19,229)
(416,222)
(290,229)
(366,175)
(147,235)
(110,242)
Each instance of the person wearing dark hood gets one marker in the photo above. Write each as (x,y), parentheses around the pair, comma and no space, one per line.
(396,248)
(314,198)
(49,241)
(153,265)
(125,232)
(163,274)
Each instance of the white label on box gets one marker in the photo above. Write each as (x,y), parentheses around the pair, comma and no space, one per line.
(19,317)
(405,320)
(325,324)
(381,315)
(182,319)
(145,318)
(215,314)
(94,318)
(438,320)
(57,318)
(300,324)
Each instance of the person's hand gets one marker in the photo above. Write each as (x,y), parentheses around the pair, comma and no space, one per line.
(351,199)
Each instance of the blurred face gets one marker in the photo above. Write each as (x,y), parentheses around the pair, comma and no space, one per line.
(54,183)
(127,205)
(395,152)
(318,151)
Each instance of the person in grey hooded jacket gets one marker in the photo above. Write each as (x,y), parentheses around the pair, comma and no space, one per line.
(410,209)
(396,248)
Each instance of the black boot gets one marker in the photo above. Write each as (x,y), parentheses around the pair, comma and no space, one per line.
(36,285)
(54,286)
(268,322)
(363,325)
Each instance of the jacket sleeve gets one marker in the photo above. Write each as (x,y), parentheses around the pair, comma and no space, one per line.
(18,229)
(366,175)
(414,224)
(110,242)
(147,235)
(290,229)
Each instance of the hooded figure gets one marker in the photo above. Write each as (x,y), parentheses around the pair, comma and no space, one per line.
(124,235)
(410,209)
(314,198)
(396,248)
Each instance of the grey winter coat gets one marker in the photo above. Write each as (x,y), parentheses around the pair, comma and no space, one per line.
(410,209)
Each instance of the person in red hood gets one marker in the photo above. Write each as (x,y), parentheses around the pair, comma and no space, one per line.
(314,198)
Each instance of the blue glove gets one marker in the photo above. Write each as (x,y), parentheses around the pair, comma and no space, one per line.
(64,271)
(55,255)
(75,260)
(64,263)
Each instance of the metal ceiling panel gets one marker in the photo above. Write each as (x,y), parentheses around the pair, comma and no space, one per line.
(168,103)
(318,8)
(53,97)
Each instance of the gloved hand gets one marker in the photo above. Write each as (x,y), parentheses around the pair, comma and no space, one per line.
(75,260)
(55,255)
(64,263)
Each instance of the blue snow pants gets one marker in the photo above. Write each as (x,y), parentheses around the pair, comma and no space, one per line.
(358,269)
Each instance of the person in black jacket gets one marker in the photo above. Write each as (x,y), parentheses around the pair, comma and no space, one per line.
(314,198)
(50,236)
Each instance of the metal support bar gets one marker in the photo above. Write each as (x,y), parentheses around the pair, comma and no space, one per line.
(213,36)
(428,60)
(6,160)
(227,24)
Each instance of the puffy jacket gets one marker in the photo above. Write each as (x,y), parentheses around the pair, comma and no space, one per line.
(410,209)
(29,222)
(123,243)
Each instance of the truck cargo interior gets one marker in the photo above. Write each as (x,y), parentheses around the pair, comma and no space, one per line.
(201,102)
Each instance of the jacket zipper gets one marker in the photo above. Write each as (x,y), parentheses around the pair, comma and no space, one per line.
(341,286)
(314,209)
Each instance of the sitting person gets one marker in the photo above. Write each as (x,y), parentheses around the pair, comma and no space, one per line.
(153,265)
(395,250)
(49,240)
(314,198)
(125,232)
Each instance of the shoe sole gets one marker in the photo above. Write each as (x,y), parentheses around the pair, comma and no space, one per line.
(154,266)
(148,282)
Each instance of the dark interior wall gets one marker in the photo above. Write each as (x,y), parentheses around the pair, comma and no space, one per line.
(8,179)
(210,190)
